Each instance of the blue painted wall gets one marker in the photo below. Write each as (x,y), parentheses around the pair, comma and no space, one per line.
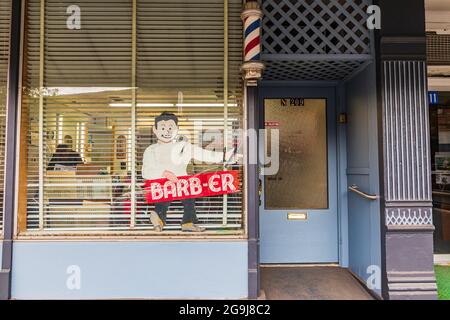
(362,170)
(130,269)
(342,179)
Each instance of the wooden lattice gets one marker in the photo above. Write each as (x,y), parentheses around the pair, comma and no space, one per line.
(315,27)
(301,30)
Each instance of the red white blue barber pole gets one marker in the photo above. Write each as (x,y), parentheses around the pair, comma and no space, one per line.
(252,66)
(252,37)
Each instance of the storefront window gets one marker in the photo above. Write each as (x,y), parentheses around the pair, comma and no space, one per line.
(5,19)
(440,157)
(99,77)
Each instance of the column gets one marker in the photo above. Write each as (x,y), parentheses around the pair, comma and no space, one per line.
(11,148)
(252,69)
(405,146)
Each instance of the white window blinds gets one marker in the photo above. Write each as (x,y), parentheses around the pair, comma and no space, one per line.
(92,95)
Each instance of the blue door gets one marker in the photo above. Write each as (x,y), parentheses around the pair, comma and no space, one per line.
(298,210)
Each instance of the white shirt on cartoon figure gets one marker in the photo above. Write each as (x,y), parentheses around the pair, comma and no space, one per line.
(175,157)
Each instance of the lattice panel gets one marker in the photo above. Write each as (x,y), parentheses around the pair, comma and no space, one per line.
(310,70)
(409,216)
(315,27)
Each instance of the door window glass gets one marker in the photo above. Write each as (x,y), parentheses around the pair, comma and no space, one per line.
(302,178)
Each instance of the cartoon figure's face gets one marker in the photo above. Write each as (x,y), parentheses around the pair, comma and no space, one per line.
(166,131)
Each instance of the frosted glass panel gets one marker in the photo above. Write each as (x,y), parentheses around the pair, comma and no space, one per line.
(302,179)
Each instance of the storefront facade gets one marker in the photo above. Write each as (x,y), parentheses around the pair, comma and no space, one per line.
(319,117)
(437,22)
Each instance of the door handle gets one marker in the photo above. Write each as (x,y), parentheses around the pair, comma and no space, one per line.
(354,188)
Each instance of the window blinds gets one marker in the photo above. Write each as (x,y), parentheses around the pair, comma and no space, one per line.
(92,95)
(5,20)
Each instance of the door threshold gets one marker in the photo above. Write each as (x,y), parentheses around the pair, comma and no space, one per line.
(298,265)
(315,283)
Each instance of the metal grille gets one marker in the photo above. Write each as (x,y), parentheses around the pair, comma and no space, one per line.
(311,70)
(297,35)
(438,49)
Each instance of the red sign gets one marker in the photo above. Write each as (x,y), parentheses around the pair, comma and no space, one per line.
(271,124)
(196,186)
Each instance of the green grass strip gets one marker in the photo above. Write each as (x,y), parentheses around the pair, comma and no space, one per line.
(443,281)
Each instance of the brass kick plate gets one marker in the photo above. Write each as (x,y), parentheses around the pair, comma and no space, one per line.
(302,216)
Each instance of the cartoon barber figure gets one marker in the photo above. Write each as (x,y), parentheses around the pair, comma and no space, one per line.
(169,158)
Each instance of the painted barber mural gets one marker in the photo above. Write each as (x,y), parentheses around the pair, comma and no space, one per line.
(164,170)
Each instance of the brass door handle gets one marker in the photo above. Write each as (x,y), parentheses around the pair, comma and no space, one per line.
(354,188)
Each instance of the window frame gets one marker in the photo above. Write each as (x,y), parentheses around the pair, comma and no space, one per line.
(2,167)
(22,232)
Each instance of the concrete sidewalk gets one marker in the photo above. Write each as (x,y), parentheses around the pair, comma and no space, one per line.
(311,283)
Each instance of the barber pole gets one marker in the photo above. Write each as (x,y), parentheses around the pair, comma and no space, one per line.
(251,17)
(252,35)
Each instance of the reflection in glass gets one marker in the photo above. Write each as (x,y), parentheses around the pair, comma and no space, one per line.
(440,163)
(90,98)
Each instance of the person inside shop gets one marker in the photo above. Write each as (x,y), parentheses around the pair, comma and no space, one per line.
(64,156)
(169,158)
